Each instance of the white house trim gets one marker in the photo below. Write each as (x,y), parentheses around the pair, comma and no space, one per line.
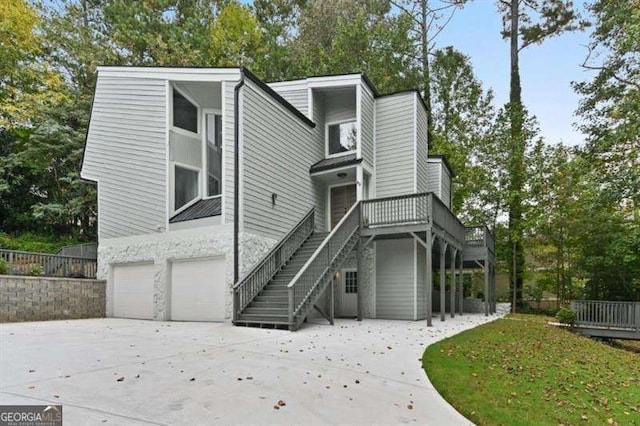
(359,121)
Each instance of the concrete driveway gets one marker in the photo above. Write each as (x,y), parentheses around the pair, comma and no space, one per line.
(118,371)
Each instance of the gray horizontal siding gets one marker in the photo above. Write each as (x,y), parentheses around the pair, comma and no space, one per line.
(422,147)
(228,151)
(446,187)
(299,98)
(395,145)
(367,111)
(395,279)
(433,177)
(126,153)
(277,151)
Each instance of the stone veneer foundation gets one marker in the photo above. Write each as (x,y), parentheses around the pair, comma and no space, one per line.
(162,248)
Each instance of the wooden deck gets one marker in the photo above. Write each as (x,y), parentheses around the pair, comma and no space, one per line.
(601,318)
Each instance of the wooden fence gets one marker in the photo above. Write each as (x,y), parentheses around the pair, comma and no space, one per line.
(601,313)
(49,265)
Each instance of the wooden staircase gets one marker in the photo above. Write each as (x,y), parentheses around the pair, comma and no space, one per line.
(270,307)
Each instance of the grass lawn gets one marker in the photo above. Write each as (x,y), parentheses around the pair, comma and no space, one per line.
(521,371)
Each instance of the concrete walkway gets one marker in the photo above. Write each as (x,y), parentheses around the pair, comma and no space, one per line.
(117,371)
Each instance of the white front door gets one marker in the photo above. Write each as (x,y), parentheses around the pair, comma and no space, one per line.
(198,289)
(349,293)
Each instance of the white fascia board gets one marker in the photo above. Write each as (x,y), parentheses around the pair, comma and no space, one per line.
(181,74)
(320,82)
(289,85)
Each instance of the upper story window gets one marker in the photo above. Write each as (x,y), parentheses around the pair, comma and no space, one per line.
(213,123)
(185,114)
(342,137)
(185,186)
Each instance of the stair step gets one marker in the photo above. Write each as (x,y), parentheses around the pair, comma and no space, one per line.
(268,304)
(265,311)
(265,318)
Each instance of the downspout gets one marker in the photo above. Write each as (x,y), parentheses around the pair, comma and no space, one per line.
(236,178)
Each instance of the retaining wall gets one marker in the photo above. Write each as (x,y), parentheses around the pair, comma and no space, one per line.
(25,298)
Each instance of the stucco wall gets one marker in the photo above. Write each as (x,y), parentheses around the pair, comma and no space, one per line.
(48,298)
(162,248)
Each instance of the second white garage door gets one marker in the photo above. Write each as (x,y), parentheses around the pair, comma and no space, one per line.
(198,290)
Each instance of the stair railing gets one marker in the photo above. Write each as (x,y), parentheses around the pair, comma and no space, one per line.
(252,283)
(321,265)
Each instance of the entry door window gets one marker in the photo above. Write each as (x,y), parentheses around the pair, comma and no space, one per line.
(342,198)
(351,282)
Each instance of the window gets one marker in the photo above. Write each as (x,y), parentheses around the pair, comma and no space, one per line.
(351,282)
(185,114)
(213,123)
(186,186)
(342,137)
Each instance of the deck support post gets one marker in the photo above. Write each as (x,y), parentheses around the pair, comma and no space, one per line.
(332,302)
(487,297)
(360,262)
(429,276)
(454,254)
(493,287)
(443,283)
(461,280)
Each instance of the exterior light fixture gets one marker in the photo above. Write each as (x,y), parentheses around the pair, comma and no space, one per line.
(342,175)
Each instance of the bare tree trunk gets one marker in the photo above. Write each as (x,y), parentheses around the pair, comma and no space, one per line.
(424,12)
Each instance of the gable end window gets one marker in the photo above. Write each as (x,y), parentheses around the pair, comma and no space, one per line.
(342,137)
(185,114)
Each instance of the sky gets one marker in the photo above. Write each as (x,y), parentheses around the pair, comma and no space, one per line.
(546,70)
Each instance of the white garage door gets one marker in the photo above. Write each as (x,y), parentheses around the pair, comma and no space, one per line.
(198,290)
(133,291)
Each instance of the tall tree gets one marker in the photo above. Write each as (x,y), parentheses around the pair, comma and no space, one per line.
(610,108)
(462,120)
(343,36)
(525,22)
(428,18)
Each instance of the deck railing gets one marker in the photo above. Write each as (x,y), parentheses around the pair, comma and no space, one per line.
(403,209)
(49,265)
(321,265)
(601,313)
(479,236)
(444,218)
(252,283)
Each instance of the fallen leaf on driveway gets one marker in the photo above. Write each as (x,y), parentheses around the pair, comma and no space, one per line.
(193,379)
(121,379)
(281,403)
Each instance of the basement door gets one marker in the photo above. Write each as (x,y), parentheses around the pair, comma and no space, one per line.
(341,200)
(349,293)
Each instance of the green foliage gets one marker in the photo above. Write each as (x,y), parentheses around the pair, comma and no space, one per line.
(566,316)
(37,243)
(463,116)
(344,36)
(36,271)
(536,374)
(4,267)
